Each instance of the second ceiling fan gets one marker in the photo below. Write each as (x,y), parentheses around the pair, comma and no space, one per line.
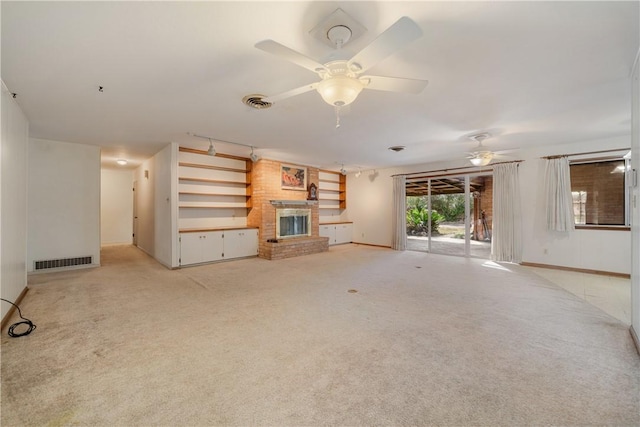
(342,80)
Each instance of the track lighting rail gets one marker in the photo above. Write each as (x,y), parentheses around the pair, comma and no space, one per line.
(211,151)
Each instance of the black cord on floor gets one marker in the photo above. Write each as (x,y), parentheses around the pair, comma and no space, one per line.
(12,333)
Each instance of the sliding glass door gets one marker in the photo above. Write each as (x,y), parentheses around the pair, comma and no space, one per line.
(450,214)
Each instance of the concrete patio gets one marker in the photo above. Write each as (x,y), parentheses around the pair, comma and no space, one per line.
(448,246)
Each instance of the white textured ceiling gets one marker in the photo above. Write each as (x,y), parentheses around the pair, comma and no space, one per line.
(530,73)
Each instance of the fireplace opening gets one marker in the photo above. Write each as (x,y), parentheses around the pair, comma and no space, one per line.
(293,223)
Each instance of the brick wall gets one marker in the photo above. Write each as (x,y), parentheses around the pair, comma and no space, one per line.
(266,186)
(484,203)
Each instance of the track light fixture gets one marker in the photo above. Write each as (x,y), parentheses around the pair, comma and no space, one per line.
(253,156)
(343,171)
(211,151)
(359,173)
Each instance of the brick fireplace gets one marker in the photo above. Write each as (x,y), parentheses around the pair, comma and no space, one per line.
(267,196)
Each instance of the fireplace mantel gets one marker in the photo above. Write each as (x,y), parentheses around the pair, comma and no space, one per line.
(284,203)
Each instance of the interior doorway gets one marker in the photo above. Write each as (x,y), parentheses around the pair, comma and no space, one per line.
(450,215)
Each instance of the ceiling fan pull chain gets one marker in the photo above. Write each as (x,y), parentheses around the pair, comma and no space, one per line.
(337,108)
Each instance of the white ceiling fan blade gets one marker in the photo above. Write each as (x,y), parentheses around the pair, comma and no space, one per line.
(293,92)
(291,55)
(394,84)
(394,38)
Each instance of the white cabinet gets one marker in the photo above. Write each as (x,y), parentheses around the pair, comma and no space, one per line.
(196,248)
(240,243)
(208,246)
(328,231)
(337,233)
(344,233)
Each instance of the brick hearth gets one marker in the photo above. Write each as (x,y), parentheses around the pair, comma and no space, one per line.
(297,246)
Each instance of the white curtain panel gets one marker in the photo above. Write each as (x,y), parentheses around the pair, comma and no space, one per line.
(399,213)
(506,241)
(559,200)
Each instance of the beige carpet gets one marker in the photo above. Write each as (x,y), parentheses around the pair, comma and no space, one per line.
(425,340)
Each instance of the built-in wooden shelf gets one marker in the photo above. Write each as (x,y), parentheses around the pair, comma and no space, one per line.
(212,167)
(214,192)
(213,181)
(195,193)
(336,222)
(194,205)
(332,183)
(205,229)
(204,153)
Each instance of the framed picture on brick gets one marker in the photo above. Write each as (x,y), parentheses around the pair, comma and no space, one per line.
(293,177)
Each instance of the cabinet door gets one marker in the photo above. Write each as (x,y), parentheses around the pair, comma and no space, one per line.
(212,246)
(251,242)
(328,231)
(190,248)
(240,243)
(344,233)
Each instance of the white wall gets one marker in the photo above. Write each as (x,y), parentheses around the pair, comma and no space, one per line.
(166,228)
(635,217)
(370,201)
(370,204)
(116,206)
(601,250)
(157,206)
(63,201)
(13,200)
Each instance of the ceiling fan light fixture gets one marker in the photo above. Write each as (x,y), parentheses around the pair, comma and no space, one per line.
(481,159)
(339,90)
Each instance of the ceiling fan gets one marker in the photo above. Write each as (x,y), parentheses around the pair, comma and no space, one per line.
(342,80)
(481,156)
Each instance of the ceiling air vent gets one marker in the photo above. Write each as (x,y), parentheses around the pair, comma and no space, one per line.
(256,101)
